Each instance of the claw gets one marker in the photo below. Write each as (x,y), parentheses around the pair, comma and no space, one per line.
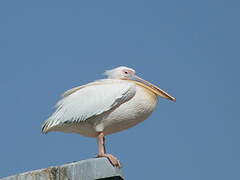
(113,160)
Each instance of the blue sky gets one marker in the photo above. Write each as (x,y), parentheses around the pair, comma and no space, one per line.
(188,48)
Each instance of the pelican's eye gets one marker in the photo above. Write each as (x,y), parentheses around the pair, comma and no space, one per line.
(125,72)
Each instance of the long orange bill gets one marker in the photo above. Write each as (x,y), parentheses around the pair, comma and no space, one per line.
(151,87)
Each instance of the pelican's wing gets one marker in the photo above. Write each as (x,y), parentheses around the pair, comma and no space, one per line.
(70,91)
(84,102)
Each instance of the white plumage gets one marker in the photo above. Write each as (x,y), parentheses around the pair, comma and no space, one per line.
(89,101)
(105,106)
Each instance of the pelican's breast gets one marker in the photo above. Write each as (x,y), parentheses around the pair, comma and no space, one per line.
(131,112)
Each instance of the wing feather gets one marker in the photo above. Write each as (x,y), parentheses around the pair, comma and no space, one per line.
(83,102)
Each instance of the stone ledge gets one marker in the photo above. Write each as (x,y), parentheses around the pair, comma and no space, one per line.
(90,169)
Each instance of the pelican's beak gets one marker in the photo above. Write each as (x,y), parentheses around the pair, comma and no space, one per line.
(151,87)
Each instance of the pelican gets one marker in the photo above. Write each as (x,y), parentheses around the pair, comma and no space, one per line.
(105,106)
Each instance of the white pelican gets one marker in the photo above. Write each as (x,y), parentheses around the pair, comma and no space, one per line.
(105,106)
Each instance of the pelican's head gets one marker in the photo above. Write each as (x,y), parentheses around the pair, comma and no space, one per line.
(120,72)
(126,73)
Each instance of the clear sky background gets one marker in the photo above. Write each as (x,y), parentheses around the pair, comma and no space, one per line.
(188,48)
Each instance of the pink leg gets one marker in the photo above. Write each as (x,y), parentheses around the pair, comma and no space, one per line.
(102,151)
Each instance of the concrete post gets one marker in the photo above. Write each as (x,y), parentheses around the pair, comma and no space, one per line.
(90,169)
